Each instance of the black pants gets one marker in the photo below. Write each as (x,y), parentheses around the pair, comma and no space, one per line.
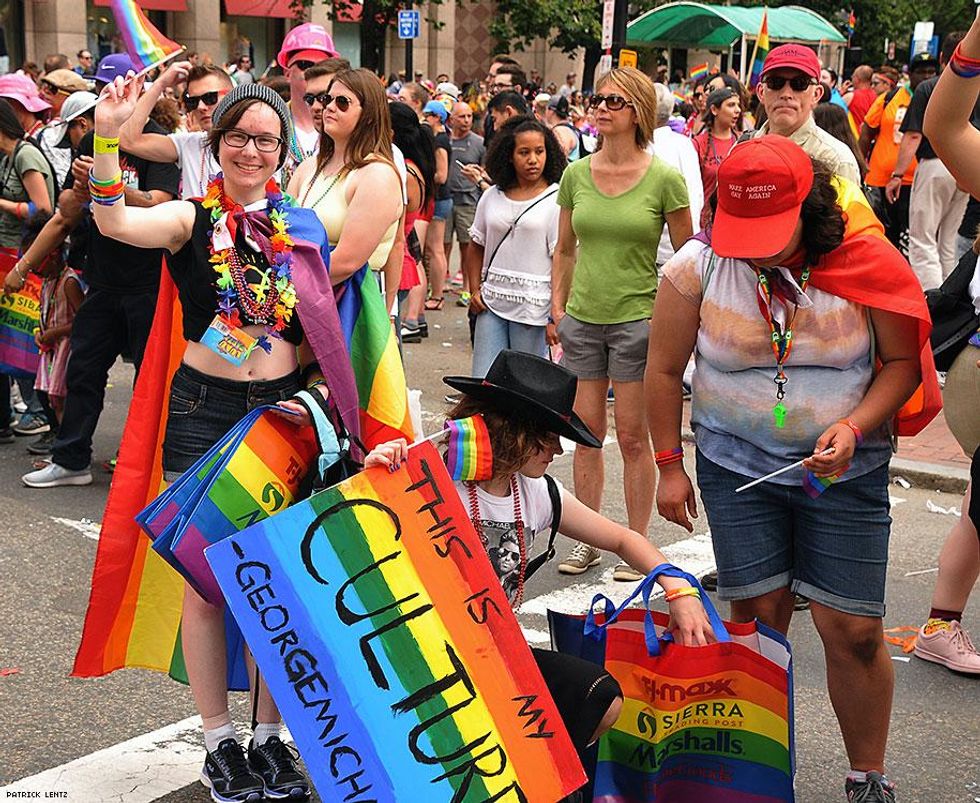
(895,217)
(106,325)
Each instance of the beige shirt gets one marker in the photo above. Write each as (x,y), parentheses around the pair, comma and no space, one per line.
(825,147)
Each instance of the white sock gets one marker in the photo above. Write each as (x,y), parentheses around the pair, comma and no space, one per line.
(264,730)
(215,736)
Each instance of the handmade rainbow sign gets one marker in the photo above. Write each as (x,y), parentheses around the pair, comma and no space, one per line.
(469,456)
(389,646)
(145,44)
(20,314)
(254,471)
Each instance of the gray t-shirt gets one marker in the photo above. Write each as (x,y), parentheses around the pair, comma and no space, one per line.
(470,151)
(26,157)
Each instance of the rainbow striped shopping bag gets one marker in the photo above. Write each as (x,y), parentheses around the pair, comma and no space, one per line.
(710,724)
(20,315)
(255,470)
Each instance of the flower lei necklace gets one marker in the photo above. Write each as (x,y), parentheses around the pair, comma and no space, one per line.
(272,300)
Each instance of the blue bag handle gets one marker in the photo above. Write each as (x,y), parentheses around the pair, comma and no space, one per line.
(330,448)
(644,589)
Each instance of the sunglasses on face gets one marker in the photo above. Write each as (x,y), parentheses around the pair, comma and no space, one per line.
(797,83)
(51,89)
(342,102)
(302,64)
(191,102)
(320,97)
(266,143)
(613,102)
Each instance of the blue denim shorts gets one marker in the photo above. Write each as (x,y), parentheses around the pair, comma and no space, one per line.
(832,549)
(202,408)
(443,209)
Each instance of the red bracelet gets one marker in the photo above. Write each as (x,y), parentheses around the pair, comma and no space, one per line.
(666,461)
(669,452)
(858,435)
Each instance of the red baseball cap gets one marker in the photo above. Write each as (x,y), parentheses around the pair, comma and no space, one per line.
(793,57)
(761,186)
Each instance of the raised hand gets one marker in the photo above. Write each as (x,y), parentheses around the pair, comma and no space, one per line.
(117,104)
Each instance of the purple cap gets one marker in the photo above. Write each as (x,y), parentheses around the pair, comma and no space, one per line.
(112,66)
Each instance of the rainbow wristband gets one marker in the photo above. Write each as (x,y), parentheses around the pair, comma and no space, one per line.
(689,591)
(964,66)
(106,145)
(106,192)
(858,435)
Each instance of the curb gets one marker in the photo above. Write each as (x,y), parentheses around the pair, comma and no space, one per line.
(928,476)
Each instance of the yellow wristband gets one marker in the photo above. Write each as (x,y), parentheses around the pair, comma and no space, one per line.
(106,144)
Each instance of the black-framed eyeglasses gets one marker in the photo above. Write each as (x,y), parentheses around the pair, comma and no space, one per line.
(614,103)
(496,88)
(342,102)
(319,97)
(797,83)
(191,102)
(302,64)
(236,139)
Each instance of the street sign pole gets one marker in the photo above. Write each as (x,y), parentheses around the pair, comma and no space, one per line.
(409,25)
(409,48)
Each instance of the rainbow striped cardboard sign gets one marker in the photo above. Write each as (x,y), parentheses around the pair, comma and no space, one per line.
(20,315)
(389,646)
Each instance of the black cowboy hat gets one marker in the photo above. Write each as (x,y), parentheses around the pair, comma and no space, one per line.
(534,386)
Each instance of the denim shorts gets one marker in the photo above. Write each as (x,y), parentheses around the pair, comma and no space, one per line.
(202,408)
(832,549)
(616,351)
(443,209)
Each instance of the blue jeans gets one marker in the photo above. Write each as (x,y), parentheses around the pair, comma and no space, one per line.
(832,549)
(494,334)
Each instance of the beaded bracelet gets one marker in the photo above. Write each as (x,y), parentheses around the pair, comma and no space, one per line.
(962,65)
(689,591)
(106,192)
(858,435)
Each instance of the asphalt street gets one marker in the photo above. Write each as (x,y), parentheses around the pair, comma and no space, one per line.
(46,559)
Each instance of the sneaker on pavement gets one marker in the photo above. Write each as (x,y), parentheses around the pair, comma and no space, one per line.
(43,445)
(16,399)
(6,435)
(275,763)
(875,788)
(626,573)
(31,424)
(709,581)
(582,558)
(226,773)
(53,475)
(463,300)
(410,335)
(947,643)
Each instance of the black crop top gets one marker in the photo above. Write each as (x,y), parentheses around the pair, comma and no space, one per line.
(194,275)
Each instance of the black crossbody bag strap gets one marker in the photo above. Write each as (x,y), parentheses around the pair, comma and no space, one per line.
(509,231)
(554,493)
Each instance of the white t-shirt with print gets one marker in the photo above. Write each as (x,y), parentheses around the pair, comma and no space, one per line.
(193,154)
(498,529)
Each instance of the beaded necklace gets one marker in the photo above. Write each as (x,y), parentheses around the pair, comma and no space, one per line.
(518,523)
(309,187)
(272,300)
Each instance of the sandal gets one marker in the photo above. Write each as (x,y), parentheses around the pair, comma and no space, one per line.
(433,304)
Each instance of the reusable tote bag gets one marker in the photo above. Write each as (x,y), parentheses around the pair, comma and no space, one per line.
(257,469)
(20,315)
(709,724)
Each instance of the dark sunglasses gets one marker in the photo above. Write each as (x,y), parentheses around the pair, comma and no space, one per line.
(51,89)
(613,102)
(322,98)
(303,64)
(797,83)
(191,102)
(342,101)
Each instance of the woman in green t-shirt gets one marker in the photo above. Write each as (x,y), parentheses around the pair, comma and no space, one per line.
(25,178)
(614,205)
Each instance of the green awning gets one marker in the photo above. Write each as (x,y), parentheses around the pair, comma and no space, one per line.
(686,24)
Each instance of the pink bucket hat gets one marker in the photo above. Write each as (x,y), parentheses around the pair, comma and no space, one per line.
(22,89)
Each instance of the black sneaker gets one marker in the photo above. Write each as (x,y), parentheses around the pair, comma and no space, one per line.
(423,329)
(227,775)
(874,789)
(43,445)
(6,435)
(275,763)
(411,334)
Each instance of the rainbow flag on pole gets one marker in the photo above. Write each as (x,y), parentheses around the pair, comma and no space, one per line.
(409,678)
(760,51)
(373,347)
(699,71)
(146,46)
(470,456)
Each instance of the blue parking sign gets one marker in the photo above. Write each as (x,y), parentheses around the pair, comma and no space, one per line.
(408,24)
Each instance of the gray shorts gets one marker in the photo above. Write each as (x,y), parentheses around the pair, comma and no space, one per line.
(616,351)
(460,219)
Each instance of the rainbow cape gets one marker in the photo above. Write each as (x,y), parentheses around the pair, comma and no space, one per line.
(378,371)
(760,51)
(408,676)
(469,456)
(133,617)
(869,270)
(145,45)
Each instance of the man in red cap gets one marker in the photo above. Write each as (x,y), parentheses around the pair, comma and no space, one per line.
(789,90)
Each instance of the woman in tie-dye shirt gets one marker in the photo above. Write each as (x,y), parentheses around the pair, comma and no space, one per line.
(806,327)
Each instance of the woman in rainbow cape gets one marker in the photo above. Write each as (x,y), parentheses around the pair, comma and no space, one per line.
(260,322)
(504,433)
(811,341)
